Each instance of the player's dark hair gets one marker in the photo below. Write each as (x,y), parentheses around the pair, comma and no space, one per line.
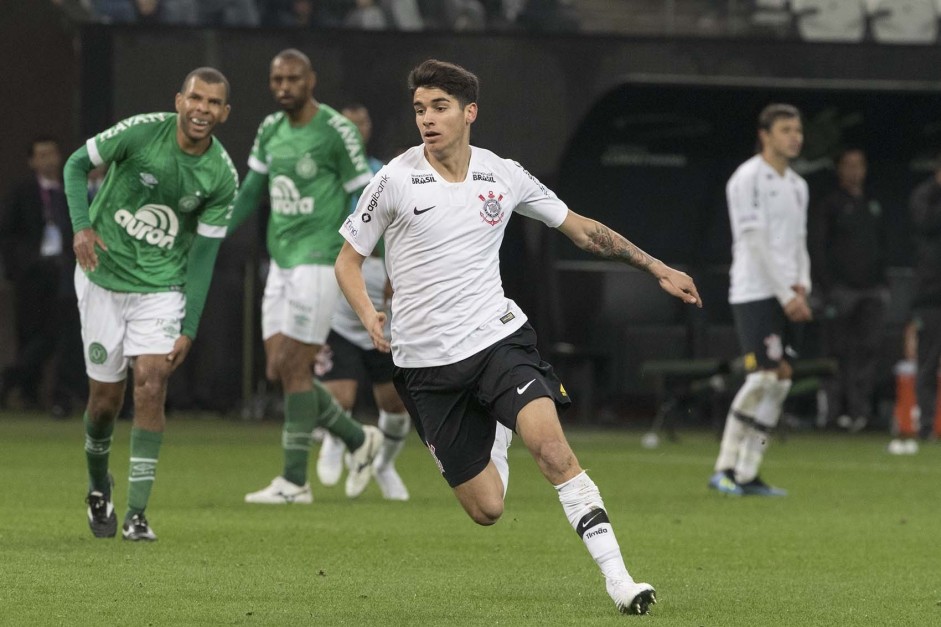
(450,78)
(40,139)
(774,112)
(207,75)
(293,54)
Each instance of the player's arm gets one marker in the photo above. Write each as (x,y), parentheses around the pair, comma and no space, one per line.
(75,177)
(202,258)
(596,238)
(250,194)
(349,271)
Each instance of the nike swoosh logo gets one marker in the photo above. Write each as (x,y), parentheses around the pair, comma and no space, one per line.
(587,521)
(523,388)
(418,213)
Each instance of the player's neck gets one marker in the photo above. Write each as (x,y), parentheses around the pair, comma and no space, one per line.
(452,165)
(305,114)
(190,147)
(776,161)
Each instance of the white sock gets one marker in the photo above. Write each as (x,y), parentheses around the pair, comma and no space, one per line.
(582,504)
(758,437)
(745,402)
(395,428)
(501,442)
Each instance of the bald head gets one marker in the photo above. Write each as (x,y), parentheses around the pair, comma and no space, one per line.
(295,55)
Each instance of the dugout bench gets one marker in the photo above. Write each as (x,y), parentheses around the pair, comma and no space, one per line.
(676,382)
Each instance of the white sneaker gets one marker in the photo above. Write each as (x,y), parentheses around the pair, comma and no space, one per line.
(391,484)
(631,597)
(330,460)
(359,462)
(282,491)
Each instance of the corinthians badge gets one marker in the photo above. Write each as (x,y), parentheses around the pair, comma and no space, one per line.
(492,212)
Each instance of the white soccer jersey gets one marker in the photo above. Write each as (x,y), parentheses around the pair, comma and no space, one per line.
(346,322)
(442,251)
(762,200)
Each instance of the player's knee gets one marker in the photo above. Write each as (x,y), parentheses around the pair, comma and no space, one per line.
(104,409)
(486,512)
(150,381)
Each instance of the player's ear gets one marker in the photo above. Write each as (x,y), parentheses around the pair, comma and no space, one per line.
(470,113)
(313,80)
(224,115)
(178,102)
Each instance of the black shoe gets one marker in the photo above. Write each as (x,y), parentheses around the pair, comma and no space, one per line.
(101,519)
(137,529)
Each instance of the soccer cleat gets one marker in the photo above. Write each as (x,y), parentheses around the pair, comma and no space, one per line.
(281,491)
(391,484)
(101,517)
(137,529)
(360,461)
(330,460)
(631,597)
(757,487)
(723,482)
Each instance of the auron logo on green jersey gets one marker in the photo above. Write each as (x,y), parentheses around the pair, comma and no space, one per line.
(286,199)
(155,224)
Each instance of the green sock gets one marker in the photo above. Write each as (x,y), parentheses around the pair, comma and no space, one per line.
(97,447)
(145,449)
(338,421)
(300,417)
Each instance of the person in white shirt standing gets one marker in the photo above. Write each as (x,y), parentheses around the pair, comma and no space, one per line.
(466,362)
(770,282)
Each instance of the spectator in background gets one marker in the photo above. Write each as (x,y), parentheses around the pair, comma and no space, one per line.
(229,13)
(847,246)
(925,206)
(366,15)
(35,239)
(162,11)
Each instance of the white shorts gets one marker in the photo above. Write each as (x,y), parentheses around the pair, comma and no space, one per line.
(299,302)
(117,326)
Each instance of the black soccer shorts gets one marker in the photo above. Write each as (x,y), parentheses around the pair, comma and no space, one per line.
(765,334)
(345,360)
(456,406)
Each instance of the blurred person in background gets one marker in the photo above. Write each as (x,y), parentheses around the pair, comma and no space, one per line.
(35,240)
(769,285)
(349,356)
(847,248)
(925,213)
(310,160)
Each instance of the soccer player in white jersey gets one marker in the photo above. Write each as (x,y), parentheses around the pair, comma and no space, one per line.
(145,251)
(770,281)
(349,355)
(467,367)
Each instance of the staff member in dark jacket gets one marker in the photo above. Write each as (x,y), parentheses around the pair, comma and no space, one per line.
(847,235)
(925,208)
(35,240)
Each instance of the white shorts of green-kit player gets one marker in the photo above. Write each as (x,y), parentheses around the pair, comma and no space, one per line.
(299,302)
(117,326)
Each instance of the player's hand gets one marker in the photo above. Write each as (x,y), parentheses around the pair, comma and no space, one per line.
(678,284)
(376,327)
(84,244)
(797,309)
(181,349)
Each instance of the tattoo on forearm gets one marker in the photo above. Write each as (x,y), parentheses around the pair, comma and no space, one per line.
(605,243)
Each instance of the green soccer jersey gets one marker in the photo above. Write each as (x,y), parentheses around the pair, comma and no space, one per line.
(312,171)
(154,200)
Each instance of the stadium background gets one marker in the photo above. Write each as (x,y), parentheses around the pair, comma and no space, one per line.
(639,131)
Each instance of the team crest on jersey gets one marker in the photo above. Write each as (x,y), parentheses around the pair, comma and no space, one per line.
(190,202)
(306,167)
(492,213)
(148,180)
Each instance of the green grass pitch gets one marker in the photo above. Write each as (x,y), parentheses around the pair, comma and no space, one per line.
(856,543)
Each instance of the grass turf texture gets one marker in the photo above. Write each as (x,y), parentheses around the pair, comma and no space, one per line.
(856,542)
